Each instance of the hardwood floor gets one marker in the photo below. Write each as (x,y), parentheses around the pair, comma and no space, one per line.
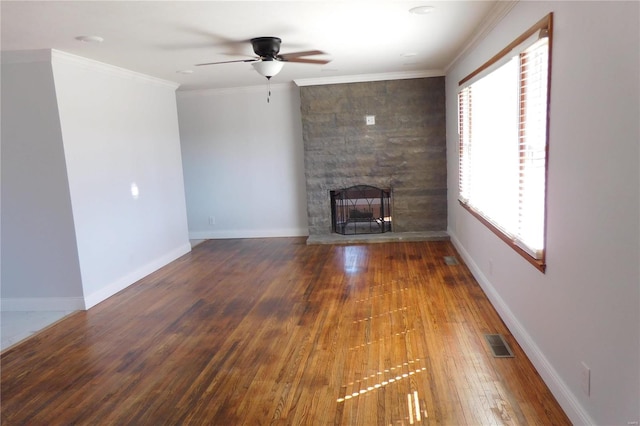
(272,331)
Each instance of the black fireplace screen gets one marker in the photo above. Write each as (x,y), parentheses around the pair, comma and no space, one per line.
(361,209)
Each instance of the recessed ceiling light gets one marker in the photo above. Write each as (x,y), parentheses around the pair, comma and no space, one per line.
(90,39)
(185,72)
(422,10)
(409,54)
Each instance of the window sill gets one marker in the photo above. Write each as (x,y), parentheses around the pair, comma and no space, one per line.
(539,264)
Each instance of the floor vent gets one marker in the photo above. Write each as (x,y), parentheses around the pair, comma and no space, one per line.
(499,346)
(450,260)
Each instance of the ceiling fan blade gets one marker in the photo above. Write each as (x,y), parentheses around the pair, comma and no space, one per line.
(228,62)
(308,61)
(287,56)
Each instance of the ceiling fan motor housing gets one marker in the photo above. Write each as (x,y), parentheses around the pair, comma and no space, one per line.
(266,47)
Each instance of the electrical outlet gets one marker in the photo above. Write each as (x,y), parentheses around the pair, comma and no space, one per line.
(212,220)
(370,119)
(585,379)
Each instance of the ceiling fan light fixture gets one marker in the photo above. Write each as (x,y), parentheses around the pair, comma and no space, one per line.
(268,68)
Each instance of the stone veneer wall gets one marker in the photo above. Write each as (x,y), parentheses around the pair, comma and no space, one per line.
(405,150)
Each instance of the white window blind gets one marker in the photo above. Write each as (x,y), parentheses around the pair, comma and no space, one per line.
(533,147)
(502,126)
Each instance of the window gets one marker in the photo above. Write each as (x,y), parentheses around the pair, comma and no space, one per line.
(503,137)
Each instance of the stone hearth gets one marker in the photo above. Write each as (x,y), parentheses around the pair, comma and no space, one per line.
(387,237)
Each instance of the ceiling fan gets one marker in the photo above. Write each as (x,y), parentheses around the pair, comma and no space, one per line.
(269,61)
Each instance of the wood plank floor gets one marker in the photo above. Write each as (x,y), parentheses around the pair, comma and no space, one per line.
(272,331)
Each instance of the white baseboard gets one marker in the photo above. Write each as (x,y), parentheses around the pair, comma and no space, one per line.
(251,233)
(124,282)
(567,400)
(41,304)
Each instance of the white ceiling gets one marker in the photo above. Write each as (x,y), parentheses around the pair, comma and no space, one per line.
(160,38)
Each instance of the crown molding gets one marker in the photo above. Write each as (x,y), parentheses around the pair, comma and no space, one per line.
(499,10)
(96,66)
(361,78)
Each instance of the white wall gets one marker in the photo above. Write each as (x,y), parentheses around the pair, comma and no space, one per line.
(40,268)
(585,308)
(243,161)
(119,129)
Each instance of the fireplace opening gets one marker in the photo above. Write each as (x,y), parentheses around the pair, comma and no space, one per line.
(361,209)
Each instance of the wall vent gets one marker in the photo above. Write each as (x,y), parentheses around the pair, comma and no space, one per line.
(499,347)
(451,260)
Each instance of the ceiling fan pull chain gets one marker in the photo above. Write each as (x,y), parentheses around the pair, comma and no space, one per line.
(269,89)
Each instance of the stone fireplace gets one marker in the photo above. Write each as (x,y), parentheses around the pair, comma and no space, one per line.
(404,150)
